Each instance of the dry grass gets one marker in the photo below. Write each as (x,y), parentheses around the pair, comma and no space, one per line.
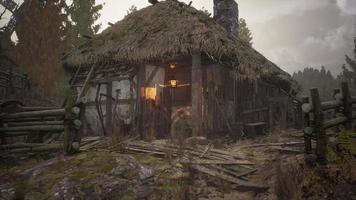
(168,30)
(288,181)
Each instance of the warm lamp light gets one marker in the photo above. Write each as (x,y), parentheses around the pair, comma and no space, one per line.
(150,93)
(172,65)
(173,83)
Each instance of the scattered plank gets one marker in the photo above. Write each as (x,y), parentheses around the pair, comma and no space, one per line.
(275,144)
(289,150)
(218,162)
(238,182)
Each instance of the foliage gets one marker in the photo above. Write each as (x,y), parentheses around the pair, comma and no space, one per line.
(41,41)
(314,78)
(132,9)
(348,73)
(244,32)
(83,15)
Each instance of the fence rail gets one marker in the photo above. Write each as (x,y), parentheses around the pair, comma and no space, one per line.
(12,82)
(315,124)
(45,124)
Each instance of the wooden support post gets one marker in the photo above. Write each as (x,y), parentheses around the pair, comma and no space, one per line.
(347,111)
(306,122)
(71,112)
(10,85)
(141,76)
(270,116)
(197,95)
(108,109)
(284,120)
(321,138)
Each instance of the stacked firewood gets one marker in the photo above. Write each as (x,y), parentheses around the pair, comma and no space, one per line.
(207,160)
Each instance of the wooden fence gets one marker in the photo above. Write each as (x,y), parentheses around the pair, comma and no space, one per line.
(39,129)
(315,114)
(11,81)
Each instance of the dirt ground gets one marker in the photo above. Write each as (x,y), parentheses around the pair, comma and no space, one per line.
(105,172)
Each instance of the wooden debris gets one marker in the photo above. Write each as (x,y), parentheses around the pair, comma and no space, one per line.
(288,150)
(218,162)
(275,144)
(224,176)
(213,162)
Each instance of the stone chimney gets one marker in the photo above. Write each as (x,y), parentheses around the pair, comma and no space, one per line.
(226,13)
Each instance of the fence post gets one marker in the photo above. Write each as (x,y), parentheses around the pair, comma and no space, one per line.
(347,111)
(321,139)
(307,135)
(9,90)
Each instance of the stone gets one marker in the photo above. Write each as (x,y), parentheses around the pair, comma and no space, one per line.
(226,13)
(128,167)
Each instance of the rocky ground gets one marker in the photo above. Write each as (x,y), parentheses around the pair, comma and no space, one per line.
(106,172)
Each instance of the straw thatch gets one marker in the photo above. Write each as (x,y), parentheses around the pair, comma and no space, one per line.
(170,29)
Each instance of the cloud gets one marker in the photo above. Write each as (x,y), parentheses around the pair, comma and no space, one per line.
(315,51)
(347,6)
(271,9)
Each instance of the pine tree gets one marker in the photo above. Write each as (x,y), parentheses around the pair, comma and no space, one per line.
(352,63)
(244,32)
(83,15)
(348,73)
(41,41)
(314,78)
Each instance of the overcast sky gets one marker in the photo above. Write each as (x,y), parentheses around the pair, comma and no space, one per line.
(292,33)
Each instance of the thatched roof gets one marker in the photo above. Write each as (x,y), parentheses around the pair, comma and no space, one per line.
(170,29)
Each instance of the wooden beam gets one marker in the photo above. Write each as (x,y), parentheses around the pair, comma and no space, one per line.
(307,136)
(197,95)
(119,102)
(141,76)
(85,87)
(335,122)
(152,75)
(32,123)
(55,128)
(254,111)
(319,127)
(108,109)
(347,111)
(42,113)
(108,80)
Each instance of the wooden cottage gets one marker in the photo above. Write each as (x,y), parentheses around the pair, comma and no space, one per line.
(172,70)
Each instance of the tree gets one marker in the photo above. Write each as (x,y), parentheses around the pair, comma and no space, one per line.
(41,41)
(352,63)
(244,32)
(348,73)
(83,15)
(321,79)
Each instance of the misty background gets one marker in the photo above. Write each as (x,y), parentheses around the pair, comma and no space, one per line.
(292,33)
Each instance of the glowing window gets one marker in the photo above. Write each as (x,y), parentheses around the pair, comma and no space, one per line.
(150,93)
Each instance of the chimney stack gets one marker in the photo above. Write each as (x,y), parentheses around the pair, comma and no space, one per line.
(226,13)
